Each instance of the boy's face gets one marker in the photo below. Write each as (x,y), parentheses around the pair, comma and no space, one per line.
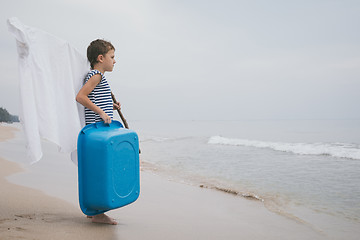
(109,61)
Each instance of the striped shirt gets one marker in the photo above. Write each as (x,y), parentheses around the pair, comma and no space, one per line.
(101,97)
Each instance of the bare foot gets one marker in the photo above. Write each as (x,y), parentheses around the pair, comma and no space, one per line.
(102,218)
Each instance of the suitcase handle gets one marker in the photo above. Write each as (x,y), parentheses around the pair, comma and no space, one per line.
(114,124)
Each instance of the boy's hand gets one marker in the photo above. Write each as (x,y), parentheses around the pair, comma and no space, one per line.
(117,106)
(106,118)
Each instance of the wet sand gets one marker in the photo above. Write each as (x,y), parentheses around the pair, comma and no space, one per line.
(40,201)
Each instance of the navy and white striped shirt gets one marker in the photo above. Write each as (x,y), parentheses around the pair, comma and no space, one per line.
(101,97)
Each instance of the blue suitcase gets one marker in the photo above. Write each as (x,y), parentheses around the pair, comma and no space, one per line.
(108,167)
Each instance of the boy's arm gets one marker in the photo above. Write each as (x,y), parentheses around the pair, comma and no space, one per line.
(82,97)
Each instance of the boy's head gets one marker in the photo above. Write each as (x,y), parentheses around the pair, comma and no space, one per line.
(96,48)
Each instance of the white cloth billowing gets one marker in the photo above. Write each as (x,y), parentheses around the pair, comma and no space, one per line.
(51,73)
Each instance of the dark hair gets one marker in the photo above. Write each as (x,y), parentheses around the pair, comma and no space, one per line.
(96,48)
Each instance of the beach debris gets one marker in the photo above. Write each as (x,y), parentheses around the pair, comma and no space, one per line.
(226,190)
(249,196)
(252,197)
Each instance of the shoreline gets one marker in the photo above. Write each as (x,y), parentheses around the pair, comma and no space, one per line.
(165,209)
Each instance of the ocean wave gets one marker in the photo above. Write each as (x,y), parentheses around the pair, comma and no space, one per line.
(153,139)
(341,150)
(158,139)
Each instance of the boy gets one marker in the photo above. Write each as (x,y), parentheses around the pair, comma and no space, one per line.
(95,95)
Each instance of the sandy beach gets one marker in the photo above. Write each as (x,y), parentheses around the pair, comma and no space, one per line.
(40,201)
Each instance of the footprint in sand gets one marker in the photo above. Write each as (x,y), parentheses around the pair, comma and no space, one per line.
(20,229)
(27,216)
(4,220)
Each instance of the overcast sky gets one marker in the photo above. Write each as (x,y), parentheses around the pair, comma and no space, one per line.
(206,59)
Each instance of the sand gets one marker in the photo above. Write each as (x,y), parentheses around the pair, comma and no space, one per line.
(7,132)
(43,204)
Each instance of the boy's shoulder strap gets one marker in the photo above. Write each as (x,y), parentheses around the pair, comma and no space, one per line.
(92,73)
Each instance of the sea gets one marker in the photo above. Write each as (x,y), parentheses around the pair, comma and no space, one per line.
(305,170)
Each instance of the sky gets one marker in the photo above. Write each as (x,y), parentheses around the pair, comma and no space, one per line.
(207,59)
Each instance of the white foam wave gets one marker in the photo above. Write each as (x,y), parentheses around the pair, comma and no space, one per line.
(342,150)
(153,139)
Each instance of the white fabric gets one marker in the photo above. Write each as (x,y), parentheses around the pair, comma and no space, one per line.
(51,73)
